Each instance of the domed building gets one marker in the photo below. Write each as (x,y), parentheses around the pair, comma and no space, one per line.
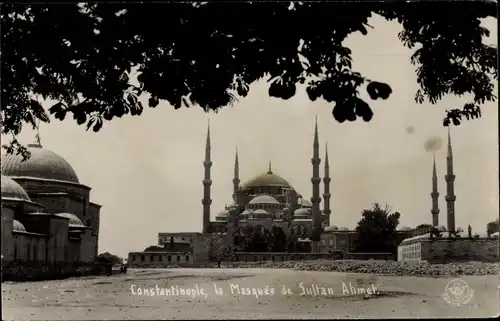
(263,204)
(49,224)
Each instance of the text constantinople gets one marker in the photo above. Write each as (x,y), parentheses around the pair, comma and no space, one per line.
(173,290)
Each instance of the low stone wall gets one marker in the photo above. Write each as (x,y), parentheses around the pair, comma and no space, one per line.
(370,256)
(446,250)
(336,255)
(33,271)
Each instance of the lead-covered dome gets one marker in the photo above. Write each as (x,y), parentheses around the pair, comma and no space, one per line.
(12,190)
(266,179)
(74,221)
(263,199)
(43,163)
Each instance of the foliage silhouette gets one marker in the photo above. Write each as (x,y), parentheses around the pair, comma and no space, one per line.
(377,229)
(111,258)
(208,54)
(493,227)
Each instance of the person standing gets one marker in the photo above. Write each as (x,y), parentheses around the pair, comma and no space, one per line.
(218,262)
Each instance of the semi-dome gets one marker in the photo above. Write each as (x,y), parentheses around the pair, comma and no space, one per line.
(441,228)
(304,202)
(12,190)
(302,212)
(263,199)
(42,163)
(74,221)
(266,179)
(18,226)
(331,228)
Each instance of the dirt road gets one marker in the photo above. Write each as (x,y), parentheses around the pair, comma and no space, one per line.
(141,294)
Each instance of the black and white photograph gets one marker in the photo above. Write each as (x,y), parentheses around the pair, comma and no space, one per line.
(227,160)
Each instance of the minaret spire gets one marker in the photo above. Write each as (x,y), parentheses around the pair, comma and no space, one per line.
(315,199)
(236,179)
(270,170)
(435,194)
(326,189)
(207,182)
(450,187)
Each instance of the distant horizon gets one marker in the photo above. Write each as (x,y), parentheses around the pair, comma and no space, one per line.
(146,172)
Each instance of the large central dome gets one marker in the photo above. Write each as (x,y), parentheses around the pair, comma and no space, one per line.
(43,163)
(266,179)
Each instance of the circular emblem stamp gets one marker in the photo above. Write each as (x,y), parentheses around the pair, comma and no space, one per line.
(458,293)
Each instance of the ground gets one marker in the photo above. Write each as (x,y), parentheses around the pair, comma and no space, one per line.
(101,298)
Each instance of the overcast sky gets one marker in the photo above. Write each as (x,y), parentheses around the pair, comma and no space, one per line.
(146,171)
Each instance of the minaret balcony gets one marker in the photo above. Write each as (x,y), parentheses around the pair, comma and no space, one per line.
(315,180)
(326,195)
(434,195)
(207,163)
(435,211)
(327,180)
(449,177)
(315,161)
(207,182)
(450,198)
(206,201)
(315,200)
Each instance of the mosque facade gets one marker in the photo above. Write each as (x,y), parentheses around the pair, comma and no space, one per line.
(50,228)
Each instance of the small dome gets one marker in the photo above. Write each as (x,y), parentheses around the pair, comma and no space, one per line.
(263,199)
(74,221)
(18,226)
(42,163)
(247,212)
(305,203)
(12,190)
(331,228)
(260,213)
(404,228)
(441,228)
(302,212)
(224,213)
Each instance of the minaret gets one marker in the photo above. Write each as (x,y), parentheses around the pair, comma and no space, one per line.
(236,179)
(450,190)
(207,182)
(326,189)
(315,199)
(435,195)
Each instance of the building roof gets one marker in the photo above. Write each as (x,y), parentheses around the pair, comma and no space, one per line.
(260,211)
(263,199)
(266,179)
(43,164)
(18,226)
(404,228)
(74,221)
(12,190)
